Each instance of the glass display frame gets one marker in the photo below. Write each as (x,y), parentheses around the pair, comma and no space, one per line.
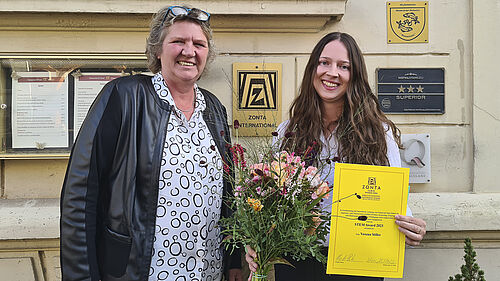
(44,99)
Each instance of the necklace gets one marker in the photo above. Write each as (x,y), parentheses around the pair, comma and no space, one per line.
(187,110)
(190,109)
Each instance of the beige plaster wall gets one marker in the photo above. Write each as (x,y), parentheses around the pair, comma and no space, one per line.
(451,133)
(238,7)
(29,260)
(439,264)
(463,38)
(486,102)
(33,178)
(450,48)
(19,266)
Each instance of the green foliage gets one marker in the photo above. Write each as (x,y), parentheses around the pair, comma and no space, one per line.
(276,206)
(470,270)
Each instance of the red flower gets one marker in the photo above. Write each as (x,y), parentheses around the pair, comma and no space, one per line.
(241,154)
(236,124)
(234,155)
(308,150)
(237,151)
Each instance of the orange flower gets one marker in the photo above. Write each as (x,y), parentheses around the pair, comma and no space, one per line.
(321,190)
(280,169)
(255,204)
(316,220)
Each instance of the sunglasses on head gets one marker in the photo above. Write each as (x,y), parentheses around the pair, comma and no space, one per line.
(182,11)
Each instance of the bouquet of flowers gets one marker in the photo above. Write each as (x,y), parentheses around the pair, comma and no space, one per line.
(276,207)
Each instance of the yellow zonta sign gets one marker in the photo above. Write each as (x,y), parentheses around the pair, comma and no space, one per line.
(407,22)
(257,97)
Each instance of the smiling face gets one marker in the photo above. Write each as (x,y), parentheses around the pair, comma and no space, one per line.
(184,53)
(333,73)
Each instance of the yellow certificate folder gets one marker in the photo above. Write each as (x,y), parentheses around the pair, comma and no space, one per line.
(364,238)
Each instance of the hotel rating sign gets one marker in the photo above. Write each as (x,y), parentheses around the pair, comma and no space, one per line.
(257,97)
(411,90)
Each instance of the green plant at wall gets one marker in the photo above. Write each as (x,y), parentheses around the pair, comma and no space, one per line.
(470,270)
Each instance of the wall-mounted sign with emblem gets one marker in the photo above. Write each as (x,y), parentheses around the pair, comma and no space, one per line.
(416,155)
(257,97)
(407,22)
(411,90)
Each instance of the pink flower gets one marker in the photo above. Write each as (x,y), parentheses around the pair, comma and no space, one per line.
(312,175)
(311,171)
(293,159)
(284,191)
(258,166)
(322,189)
(258,190)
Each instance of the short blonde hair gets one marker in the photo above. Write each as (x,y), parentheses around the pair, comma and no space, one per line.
(159,30)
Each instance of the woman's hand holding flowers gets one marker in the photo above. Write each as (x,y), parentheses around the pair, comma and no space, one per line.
(250,257)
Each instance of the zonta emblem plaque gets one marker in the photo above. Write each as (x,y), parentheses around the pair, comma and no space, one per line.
(407,22)
(257,97)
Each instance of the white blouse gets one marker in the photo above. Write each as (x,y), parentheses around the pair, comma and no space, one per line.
(187,241)
(330,150)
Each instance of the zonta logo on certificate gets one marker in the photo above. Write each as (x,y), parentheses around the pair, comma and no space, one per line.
(364,240)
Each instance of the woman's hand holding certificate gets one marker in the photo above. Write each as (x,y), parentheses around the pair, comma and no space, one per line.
(412,228)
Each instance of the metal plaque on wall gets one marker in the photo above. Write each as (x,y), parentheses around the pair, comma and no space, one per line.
(257,97)
(411,90)
(407,22)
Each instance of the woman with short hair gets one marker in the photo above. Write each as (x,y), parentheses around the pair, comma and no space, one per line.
(144,188)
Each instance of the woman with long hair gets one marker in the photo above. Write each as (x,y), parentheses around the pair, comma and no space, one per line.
(337,113)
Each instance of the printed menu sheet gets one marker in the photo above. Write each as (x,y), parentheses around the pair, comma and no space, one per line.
(87,87)
(39,110)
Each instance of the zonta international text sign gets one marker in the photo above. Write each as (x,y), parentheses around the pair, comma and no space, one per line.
(257,97)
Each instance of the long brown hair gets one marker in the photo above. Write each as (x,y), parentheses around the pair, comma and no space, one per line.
(360,131)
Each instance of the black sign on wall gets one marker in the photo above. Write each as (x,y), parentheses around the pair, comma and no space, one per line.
(411,90)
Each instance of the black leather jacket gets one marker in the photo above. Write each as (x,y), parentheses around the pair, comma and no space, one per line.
(110,192)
